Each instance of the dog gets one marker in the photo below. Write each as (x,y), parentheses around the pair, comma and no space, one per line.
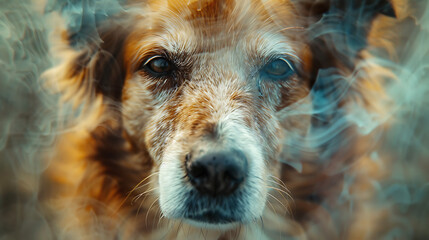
(217,119)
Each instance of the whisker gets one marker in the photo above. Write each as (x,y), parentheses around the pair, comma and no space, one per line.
(202,233)
(281,192)
(144,193)
(128,195)
(283,187)
(291,28)
(279,183)
(288,210)
(237,232)
(161,216)
(142,186)
(179,226)
(141,204)
(278,179)
(286,199)
(158,214)
(272,207)
(147,212)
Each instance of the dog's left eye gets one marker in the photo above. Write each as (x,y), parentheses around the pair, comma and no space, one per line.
(158,66)
(278,69)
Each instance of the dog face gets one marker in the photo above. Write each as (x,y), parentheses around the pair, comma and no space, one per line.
(204,81)
(209,95)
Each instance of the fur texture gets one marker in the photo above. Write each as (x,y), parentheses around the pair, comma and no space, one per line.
(120,171)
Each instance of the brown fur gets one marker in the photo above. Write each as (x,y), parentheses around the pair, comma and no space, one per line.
(105,173)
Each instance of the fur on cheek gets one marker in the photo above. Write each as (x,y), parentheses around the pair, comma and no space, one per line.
(124,169)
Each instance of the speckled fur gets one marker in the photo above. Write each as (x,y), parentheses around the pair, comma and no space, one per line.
(120,173)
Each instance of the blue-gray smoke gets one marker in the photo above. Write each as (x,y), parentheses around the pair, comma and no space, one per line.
(27,119)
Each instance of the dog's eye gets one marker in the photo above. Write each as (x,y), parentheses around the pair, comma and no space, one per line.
(278,69)
(159,65)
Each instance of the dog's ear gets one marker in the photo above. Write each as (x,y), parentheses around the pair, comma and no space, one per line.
(101,65)
(96,33)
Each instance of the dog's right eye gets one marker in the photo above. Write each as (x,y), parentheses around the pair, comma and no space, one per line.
(158,66)
(278,69)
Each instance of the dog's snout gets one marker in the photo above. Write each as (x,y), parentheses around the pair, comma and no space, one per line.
(218,173)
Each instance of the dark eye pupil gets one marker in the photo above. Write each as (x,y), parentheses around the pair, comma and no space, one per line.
(159,65)
(278,68)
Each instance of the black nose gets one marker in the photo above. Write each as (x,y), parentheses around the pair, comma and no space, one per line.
(218,173)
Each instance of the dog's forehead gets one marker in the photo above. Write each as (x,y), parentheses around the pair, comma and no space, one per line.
(228,20)
(228,26)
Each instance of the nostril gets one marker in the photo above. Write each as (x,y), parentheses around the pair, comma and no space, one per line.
(198,170)
(232,177)
(234,172)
